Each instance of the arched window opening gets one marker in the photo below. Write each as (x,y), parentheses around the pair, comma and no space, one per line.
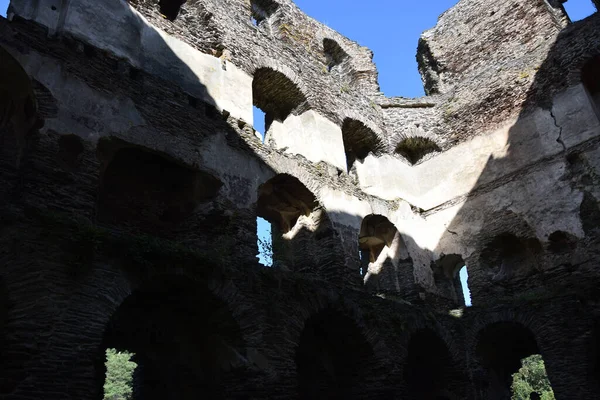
(509,256)
(148,190)
(260,121)
(384,257)
(590,76)
(503,348)
(276,96)
(169,9)
(415,148)
(333,358)
(451,279)
(579,9)
(430,372)
(282,201)
(18,109)
(359,141)
(335,56)
(261,10)
(184,340)
(376,233)
(265,241)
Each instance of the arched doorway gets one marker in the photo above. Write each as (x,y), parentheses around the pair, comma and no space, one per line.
(184,340)
(503,349)
(333,358)
(18,109)
(430,372)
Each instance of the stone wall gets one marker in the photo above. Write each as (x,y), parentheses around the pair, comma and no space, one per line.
(131,179)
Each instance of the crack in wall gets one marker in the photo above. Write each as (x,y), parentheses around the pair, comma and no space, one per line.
(560,131)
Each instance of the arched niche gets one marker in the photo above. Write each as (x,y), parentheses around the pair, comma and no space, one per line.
(384,259)
(376,233)
(430,373)
(276,95)
(333,358)
(509,256)
(359,141)
(185,341)
(590,77)
(415,148)
(18,109)
(500,348)
(149,190)
(336,59)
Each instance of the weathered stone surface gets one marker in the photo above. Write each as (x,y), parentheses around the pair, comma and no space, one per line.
(131,179)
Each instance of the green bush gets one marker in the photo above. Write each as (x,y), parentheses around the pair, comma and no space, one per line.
(119,375)
(530,378)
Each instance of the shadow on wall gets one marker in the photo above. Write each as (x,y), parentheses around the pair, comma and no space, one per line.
(510,259)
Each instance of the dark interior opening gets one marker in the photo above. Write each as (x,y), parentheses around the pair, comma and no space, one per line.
(359,141)
(590,76)
(276,95)
(332,358)
(430,372)
(501,347)
(335,56)
(376,232)
(70,148)
(415,148)
(170,8)
(446,273)
(186,342)
(561,242)
(282,200)
(18,109)
(509,255)
(147,190)
(261,10)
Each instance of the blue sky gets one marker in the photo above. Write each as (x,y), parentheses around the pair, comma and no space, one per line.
(3,7)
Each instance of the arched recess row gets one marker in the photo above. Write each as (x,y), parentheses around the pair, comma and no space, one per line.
(186,340)
(18,110)
(431,371)
(385,262)
(148,190)
(303,237)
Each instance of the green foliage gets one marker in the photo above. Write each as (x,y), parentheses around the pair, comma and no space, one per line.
(530,378)
(119,375)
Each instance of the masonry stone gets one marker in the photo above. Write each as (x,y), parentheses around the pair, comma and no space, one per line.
(131,180)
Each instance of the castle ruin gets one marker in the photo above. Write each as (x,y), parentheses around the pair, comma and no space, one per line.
(131,179)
